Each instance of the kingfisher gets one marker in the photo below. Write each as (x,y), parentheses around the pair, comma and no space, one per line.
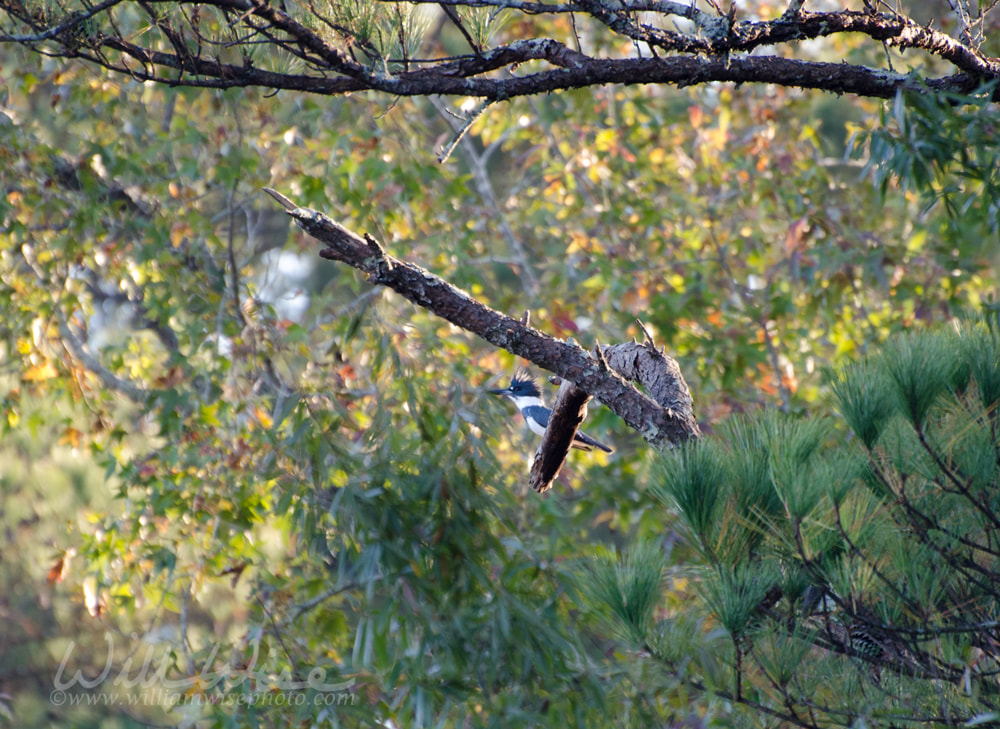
(524,393)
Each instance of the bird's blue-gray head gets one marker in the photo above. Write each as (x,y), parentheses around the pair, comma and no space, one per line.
(523,390)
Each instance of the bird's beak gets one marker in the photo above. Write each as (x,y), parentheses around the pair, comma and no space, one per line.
(498,392)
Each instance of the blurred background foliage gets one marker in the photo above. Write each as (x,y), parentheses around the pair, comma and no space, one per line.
(226,455)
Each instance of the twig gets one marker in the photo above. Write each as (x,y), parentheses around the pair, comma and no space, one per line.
(469,121)
(649,342)
(304,607)
(602,362)
(455,18)
(484,186)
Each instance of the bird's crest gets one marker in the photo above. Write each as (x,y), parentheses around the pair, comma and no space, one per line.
(522,379)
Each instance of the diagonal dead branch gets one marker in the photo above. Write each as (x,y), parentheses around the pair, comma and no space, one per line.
(661,426)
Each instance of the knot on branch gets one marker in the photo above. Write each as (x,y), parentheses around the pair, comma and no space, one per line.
(659,375)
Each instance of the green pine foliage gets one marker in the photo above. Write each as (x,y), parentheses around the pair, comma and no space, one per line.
(630,585)
(898,528)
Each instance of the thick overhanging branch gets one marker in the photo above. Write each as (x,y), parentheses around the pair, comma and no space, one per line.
(680,71)
(660,423)
(703,48)
(211,73)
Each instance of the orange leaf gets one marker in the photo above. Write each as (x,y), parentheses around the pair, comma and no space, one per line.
(695,115)
(71,437)
(37,373)
(58,571)
(796,235)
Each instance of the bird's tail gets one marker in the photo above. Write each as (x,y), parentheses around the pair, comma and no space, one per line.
(585,443)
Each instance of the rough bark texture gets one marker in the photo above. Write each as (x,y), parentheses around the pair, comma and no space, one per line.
(568,412)
(661,423)
(331,57)
(659,374)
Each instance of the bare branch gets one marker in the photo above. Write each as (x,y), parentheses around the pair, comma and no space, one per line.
(712,49)
(484,186)
(463,130)
(76,348)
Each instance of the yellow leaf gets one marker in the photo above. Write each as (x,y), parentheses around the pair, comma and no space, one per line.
(263,417)
(178,232)
(605,516)
(401,230)
(577,241)
(209,414)
(605,140)
(37,373)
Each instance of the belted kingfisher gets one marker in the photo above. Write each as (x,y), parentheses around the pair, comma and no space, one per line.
(524,393)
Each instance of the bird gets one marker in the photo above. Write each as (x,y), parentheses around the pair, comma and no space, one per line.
(524,393)
(871,645)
